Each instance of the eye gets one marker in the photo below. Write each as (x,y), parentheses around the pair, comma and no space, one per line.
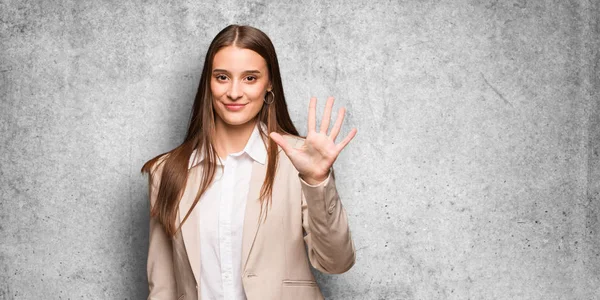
(250,78)
(221,77)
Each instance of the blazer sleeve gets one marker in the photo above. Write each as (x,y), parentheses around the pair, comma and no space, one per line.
(330,246)
(161,278)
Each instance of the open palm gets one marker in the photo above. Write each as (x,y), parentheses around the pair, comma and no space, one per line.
(316,156)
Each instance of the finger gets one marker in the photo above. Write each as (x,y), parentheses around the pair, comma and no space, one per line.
(326,115)
(277,138)
(312,115)
(347,140)
(338,124)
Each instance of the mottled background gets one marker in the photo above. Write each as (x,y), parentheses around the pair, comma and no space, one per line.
(475,173)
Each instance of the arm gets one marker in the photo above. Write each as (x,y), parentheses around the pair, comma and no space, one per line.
(330,246)
(161,278)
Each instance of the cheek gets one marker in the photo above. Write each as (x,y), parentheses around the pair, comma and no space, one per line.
(257,92)
(217,89)
(256,97)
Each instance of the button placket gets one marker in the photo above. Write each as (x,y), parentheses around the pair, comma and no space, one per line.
(225,245)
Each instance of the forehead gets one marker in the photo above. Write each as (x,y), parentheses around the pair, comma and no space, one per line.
(236,59)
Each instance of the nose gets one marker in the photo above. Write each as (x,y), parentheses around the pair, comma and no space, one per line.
(234,92)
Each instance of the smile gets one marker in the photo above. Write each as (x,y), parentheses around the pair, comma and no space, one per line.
(234,107)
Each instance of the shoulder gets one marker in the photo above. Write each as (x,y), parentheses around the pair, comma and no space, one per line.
(156,168)
(159,163)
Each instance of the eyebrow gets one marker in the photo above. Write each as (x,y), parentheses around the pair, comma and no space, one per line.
(245,72)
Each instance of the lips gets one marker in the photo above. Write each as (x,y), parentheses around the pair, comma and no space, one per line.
(234,107)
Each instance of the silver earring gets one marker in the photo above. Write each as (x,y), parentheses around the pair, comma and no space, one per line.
(265,99)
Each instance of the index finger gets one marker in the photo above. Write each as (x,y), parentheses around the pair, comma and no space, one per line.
(312,115)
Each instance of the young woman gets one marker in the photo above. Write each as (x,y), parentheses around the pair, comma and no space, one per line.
(231,213)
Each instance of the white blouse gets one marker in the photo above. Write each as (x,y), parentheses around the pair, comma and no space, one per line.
(221,213)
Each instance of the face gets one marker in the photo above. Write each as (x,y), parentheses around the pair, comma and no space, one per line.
(238,84)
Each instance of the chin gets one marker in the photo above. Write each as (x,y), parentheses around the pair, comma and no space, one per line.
(236,121)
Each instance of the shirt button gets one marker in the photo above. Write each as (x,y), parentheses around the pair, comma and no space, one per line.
(196,287)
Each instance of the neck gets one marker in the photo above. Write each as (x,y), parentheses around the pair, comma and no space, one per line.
(232,138)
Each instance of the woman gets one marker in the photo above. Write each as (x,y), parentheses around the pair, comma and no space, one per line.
(230,212)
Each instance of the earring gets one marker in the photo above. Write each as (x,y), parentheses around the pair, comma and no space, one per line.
(265,99)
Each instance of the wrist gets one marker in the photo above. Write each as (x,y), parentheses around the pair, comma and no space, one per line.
(314,180)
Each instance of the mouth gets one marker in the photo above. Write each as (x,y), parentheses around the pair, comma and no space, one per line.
(234,107)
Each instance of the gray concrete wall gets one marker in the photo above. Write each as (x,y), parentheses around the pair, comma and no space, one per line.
(474,175)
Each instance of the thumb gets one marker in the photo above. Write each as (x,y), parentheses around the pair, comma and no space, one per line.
(277,138)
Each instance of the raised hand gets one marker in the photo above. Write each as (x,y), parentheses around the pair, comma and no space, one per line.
(314,159)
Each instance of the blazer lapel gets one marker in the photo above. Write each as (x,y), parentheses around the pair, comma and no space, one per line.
(251,215)
(190,230)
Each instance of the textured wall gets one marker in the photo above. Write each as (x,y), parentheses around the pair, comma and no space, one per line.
(475,173)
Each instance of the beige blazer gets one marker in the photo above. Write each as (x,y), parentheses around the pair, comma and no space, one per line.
(274,256)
